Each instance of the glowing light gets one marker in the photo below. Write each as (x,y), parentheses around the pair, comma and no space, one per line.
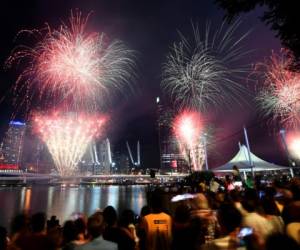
(293,143)
(188,130)
(67,137)
(206,71)
(70,64)
(280,95)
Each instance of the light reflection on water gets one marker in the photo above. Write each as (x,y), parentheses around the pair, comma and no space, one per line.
(63,202)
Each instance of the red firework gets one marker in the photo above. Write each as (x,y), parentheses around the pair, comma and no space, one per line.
(188,129)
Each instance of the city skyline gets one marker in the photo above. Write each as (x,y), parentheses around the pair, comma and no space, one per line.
(150,29)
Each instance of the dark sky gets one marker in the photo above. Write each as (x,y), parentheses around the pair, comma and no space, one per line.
(149,27)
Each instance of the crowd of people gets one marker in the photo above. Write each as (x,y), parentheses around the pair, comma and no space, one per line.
(266,217)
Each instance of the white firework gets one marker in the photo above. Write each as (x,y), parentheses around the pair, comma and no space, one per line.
(67,137)
(206,71)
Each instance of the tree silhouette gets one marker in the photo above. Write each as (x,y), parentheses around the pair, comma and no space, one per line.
(281,15)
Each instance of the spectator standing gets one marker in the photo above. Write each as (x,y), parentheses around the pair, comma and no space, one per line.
(95,228)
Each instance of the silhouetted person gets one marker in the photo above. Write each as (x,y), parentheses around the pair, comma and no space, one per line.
(80,225)
(157,226)
(127,225)
(236,173)
(181,229)
(291,212)
(280,242)
(230,221)
(3,238)
(113,232)
(69,235)
(37,239)
(95,227)
(20,228)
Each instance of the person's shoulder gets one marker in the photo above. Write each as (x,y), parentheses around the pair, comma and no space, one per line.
(109,244)
(98,243)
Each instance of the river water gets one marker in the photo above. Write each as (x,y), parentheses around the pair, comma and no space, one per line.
(64,201)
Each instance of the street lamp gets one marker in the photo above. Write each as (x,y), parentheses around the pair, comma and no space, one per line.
(291,163)
(205,150)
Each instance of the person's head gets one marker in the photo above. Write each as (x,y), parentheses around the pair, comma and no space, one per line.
(110,216)
(280,241)
(235,195)
(250,200)
(156,202)
(269,207)
(80,225)
(235,168)
(95,225)
(295,188)
(52,223)
(38,222)
(229,217)
(126,218)
(145,211)
(20,223)
(199,202)
(182,213)
(69,231)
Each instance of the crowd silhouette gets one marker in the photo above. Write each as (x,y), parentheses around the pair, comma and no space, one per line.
(216,215)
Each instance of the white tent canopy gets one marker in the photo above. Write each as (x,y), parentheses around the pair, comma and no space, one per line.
(241,160)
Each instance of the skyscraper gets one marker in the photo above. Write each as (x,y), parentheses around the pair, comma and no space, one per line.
(12,146)
(170,156)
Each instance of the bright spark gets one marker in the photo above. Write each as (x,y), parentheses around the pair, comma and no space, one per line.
(70,64)
(280,96)
(206,71)
(67,137)
(188,129)
(293,143)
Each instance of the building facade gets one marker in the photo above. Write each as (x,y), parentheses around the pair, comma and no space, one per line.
(171,159)
(12,146)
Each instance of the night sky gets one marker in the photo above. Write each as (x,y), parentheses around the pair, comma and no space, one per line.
(149,27)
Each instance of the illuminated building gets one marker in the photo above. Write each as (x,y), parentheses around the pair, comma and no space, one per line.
(12,146)
(171,158)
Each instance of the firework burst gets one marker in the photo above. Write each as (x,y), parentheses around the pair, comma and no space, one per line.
(189,131)
(293,144)
(71,65)
(280,95)
(205,71)
(67,137)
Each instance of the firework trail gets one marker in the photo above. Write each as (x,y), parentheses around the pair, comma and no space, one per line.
(189,131)
(280,95)
(67,137)
(206,71)
(71,65)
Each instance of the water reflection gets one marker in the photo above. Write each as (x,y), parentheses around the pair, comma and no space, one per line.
(27,200)
(113,196)
(63,202)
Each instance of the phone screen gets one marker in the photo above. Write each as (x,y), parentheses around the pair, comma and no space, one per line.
(245,231)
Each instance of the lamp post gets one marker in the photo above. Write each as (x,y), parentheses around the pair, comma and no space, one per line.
(249,152)
(205,151)
(290,162)
(190,161)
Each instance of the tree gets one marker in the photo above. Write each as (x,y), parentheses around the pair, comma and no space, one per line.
(281,15)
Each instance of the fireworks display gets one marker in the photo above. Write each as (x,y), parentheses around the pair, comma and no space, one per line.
(293,144)
(71,65)
(189,131)
(280,96)
(67,137)
(205,71)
